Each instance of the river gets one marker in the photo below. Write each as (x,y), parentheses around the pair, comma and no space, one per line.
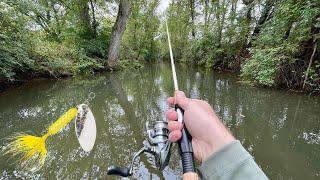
(279,128)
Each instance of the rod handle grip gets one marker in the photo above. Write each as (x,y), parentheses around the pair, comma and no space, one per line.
(185,145)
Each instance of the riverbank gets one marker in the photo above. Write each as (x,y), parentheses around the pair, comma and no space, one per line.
(23,78)
(131,65)
(248,80)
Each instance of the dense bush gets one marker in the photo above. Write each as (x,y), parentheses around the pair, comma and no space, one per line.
(130,64)
(281,54)
(14,44)
(270,42)
(138,41)
(25,50)
(58,59)
(205,52)
(265,64)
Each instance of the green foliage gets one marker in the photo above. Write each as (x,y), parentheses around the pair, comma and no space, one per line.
(85,64)
(179,27)
(194,52)
(60,59)
(265,64)
(314,78)
(218,42)
(13,43)
(270,42)
(130,64)
(139,38)
(207,53)
(96,48)
(35,38)
(279,54)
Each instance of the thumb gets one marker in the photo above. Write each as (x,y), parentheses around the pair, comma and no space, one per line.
(181,99)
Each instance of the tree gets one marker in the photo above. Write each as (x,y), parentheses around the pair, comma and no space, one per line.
(117,32)
(94,21)
(139,40)
(192,16)
(84,21)
(14,43)
(265,15)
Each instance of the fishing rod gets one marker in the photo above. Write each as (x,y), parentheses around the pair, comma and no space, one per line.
(185,146)
(157,143)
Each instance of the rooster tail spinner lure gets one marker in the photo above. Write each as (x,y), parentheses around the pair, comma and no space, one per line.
(31,151)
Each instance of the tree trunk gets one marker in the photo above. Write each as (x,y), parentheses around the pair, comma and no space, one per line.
(288,31)
(117,32)
(84,19)
(310,63)
(315,33)
(232,18)
(221,20)
(233,12)
(265,14)
(94,22)
(244,48)
(263,18)
(192,15)
(206,8)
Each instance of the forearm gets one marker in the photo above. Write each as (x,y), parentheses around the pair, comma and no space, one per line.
(231,162)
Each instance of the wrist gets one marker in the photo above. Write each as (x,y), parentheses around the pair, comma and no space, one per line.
(220,138)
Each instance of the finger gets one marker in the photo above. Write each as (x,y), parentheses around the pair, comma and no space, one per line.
(174,125)
(205,106)
(170,100)
(179,93)
(171,115)
(181,99)
(174,136)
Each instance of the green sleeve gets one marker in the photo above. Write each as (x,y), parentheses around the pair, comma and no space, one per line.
(231,162)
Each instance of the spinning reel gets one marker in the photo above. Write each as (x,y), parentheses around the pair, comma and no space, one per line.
(157,144)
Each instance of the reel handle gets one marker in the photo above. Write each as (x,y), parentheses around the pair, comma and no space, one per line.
(185,146)
(119,171)
(124,171)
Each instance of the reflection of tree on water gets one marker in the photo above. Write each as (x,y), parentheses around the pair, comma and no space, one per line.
(132,115)
(122,98)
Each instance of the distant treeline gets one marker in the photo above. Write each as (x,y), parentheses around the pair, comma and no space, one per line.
(270,42)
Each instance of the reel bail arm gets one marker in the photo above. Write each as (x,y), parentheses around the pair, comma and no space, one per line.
(157,144)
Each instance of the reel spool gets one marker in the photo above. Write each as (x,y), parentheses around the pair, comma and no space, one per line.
(157,144)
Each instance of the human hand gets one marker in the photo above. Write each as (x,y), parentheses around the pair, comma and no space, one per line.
(208,133)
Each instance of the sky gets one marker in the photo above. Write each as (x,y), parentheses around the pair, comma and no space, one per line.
(163,5)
